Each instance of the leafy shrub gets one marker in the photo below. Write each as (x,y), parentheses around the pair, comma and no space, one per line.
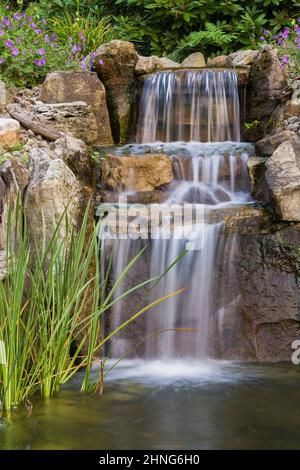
(90,31)
(287,42)
(165,26)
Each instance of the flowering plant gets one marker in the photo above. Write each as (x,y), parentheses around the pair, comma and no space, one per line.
(29,49)
(287,42)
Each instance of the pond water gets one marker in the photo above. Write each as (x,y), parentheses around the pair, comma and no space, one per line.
(169,405)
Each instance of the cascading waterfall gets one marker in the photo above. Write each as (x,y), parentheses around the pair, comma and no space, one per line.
(192,116)
(200,106)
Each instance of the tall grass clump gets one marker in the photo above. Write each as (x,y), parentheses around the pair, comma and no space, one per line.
(51,308)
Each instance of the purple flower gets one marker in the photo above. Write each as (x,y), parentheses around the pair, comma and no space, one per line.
(285,59)
(53,37)
(38,31)
(15,51)
(83,65)
(262,38)
(19,40)
(74,49)
(81,35)
(16,16)
(55,46)
(41,51)
(40,62)
(1,60)
(9,43)
(46,39)
(266,32)
(1,32)
(44,21)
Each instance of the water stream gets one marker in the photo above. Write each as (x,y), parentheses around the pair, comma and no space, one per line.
(193,117)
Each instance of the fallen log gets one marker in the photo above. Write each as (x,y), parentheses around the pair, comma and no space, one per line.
(23,118)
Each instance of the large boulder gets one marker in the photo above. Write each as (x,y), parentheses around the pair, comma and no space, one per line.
(242,58)
(115,64)
(136,172)
(196,59)
(75,118)
(53,190)
(280,186)
(75,154)
(257,283)
(91,122)
(9,134)
(269,88)
(269,144)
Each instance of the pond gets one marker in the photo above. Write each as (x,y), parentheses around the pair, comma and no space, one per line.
(168,405)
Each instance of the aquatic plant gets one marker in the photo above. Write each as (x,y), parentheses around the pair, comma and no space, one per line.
(51,309)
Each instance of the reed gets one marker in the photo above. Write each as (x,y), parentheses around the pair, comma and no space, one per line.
(51,309)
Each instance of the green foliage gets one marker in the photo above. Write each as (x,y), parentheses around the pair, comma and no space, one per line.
(165,26)
(212,35)
(95,31)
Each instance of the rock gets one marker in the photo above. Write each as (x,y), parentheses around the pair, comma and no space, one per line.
(257,284)
(146,65)
(74,153)
(115,64)
(269,144)
(281,184)
(7,95)
(290,108)
(136,172)
(219,61)
(165,63)
(9,190)
(77,119)
(243,76)
(52,191)
(242,58)
(256,168)
(9,134)
(72,87)
(269,88)
(194,60)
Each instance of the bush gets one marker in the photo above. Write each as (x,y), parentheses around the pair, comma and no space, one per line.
(287,42)
(165,26)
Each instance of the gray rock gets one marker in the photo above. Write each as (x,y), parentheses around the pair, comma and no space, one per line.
(269,144)
(282,181)
(194,60)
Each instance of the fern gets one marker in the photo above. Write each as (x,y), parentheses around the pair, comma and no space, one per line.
(213,38)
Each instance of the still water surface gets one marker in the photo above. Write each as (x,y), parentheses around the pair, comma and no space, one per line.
(174,405)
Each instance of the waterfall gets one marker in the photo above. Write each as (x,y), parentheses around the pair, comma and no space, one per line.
(200,106)
(192,116)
